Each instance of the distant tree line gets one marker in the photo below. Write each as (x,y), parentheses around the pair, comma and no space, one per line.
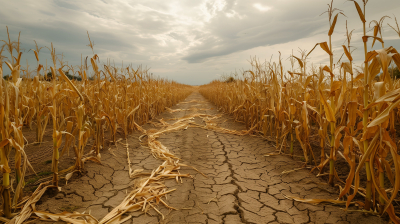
(393,72)
(49,77)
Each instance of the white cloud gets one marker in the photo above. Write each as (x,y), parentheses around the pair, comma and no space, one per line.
(261,7)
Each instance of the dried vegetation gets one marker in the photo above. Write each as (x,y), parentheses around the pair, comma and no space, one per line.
(354,112)
(108,101)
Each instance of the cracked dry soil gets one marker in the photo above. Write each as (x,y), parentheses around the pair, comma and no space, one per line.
(243,186)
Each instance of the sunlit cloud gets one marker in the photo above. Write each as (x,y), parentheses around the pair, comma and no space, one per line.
(261,7)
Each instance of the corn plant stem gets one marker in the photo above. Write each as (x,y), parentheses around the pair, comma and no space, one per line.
(4,156)
(18,172)
(332,124)
(291,138)
(80,116)
(322,141)
(6,186)
(56,154)
(98,122)
(291,143)
(38,128)
(331,160)
(365,123)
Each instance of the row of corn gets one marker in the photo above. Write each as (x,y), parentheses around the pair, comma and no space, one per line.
(108,101)
(353,110)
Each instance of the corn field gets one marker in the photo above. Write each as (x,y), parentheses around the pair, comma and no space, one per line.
(108,101)
(352,110)
(331,116)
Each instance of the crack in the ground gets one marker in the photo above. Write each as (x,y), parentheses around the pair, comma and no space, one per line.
(235,194)
(247,185)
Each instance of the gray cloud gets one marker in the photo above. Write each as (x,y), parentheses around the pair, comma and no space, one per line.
(189,41)
(250,38)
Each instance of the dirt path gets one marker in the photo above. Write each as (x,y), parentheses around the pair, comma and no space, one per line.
(243,186)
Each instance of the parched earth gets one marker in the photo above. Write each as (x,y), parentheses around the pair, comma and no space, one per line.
(243,185)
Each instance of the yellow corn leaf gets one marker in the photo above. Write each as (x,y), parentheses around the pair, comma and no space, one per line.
(94,65)
(303,146)
(308,80)
(374,69)
(347,53)
(70,83)
(376,29)
(333,25)
(352,111)
(109,73)
(360,13)
(347,67)
(133,111)
(393,149)
(36,55)
(294,73)
(314,201)
(39,68)
(66,216)
(341,96)
(94,159)
(379,90)
(360,166)
(371,55)
(300,62)
(384,116)
(338,136)
(4,143)
(324,46)
(53,73)
(384,59)
(349,181)
(327,69)
(330,116)
(388,170)
(336,85)
(365,38)
(59,139)
(371,131)
(18,59)
(359,77)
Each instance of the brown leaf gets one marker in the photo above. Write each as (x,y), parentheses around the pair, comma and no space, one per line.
(333,25)
(347,53)
(359,77)
(360,13)
(299,61)
(324,46)
(376,29)
(314,201)
(327,69)
(347,67)
(330,116)
(384,116)
(365,38)
(70,83)
(371,55)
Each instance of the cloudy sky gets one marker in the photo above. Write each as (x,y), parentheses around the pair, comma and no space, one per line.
(190,41)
